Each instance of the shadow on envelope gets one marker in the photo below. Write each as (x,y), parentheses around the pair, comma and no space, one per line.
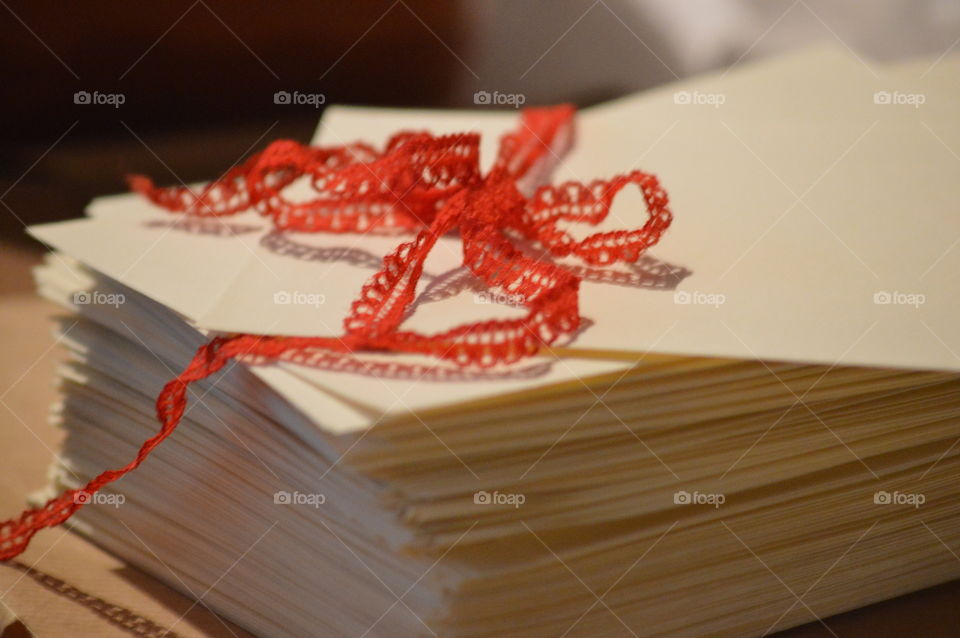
(647,273)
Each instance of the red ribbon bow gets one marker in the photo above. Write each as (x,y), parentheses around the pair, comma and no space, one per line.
(423,182)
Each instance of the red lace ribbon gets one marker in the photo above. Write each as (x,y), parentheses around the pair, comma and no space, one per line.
(420,183)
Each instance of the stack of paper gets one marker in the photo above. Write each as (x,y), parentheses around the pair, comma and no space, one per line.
(757,428)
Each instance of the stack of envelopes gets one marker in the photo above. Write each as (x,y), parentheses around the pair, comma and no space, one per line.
(757,427)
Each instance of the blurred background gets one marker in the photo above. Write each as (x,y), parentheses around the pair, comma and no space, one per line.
(197,78)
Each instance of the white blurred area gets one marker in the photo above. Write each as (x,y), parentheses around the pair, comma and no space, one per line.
(589,50)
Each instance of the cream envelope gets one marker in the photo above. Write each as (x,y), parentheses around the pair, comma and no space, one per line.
(812,224)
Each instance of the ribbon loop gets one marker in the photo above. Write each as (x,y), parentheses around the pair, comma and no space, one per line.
(590,204)
(529,154)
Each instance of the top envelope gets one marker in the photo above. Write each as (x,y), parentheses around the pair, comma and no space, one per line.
(815,205)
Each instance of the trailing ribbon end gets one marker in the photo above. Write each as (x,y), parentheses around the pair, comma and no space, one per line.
(429,184)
